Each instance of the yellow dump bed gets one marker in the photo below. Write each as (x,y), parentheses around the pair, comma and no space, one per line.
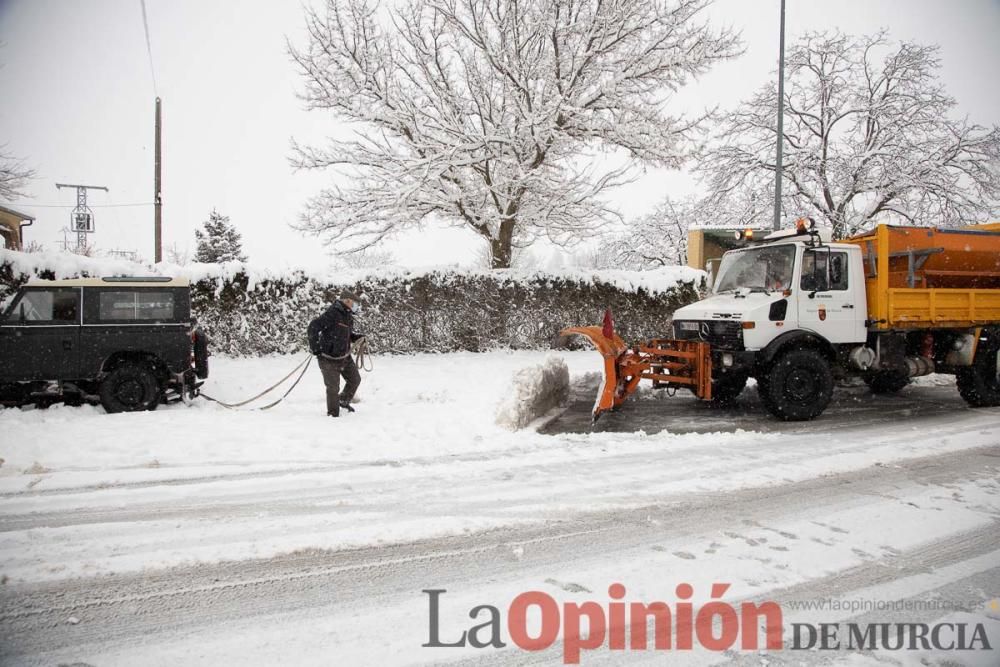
(922,277)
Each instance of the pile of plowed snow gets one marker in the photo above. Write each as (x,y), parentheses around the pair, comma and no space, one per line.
(534,392)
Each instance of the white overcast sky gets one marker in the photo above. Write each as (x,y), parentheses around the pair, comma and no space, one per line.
(78,106)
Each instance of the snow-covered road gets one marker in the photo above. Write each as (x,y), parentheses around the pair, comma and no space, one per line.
(197,534)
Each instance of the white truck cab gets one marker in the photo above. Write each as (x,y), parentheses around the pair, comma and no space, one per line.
(789,284)
(793,307)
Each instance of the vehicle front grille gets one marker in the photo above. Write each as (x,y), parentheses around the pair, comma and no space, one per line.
(725,335)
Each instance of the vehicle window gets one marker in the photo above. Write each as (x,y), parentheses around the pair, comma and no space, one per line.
(763,269)
(56,306)
(824,271)
(136,306)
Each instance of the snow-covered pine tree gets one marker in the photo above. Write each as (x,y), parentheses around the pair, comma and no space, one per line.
(219,241)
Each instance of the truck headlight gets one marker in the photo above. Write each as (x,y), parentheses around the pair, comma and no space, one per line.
(727,360)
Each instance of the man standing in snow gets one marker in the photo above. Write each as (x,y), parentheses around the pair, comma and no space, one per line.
(330,338)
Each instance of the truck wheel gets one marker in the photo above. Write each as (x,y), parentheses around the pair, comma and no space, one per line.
(798,386)
(886,382)
(130,387)
(726,390)
(979,384)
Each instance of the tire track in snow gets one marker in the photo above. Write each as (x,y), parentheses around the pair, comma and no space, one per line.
(650,474)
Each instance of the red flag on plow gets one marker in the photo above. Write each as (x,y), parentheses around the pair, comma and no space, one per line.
(608,328)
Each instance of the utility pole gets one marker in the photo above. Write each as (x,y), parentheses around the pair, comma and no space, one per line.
(81,218)
(157,193)
(781,122)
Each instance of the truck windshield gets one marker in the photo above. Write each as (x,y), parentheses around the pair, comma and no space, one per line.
(765,269)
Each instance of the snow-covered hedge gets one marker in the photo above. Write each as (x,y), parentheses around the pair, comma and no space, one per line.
(250,311)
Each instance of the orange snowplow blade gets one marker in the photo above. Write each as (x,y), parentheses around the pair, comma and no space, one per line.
(674,363)
(612,349)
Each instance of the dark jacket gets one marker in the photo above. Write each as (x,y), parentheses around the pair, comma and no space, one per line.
(333,332)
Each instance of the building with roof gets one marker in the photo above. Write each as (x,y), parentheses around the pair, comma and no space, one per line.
(706,244)
(12,223)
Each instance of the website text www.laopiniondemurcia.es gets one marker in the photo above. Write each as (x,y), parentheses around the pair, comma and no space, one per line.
(716,625)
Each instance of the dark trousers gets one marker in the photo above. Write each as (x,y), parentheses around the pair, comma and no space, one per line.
(332,370)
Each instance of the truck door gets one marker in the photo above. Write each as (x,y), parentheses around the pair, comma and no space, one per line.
(40,336)
(827,302)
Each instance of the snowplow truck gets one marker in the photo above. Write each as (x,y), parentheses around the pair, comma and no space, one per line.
(797,312)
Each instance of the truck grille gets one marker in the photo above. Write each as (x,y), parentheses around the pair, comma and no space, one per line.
(725,335)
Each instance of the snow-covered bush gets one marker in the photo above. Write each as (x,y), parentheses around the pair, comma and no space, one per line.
(249,311)
(434,311)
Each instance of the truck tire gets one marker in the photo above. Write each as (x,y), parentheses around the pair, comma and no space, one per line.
(798,385)
(886,382)
(979,384)
(727,389)
(130,387)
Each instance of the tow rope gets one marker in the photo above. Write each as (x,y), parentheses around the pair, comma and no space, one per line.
(303,365)
(362,359)
(362,356)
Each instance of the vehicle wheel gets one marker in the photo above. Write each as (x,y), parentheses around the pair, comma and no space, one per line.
(14,395)
(886,382)
(798,386)
(129,388)
(72,399)
(46,402)
(726,390)
(979,384)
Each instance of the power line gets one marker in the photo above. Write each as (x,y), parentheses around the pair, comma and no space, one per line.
(33,205)
(149,48)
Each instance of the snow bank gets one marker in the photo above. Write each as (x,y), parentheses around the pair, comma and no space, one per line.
(58,265)
(534,392)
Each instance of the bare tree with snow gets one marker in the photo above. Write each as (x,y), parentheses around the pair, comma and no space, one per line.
(179,255)
(870,135)
(488,115)
(660,237)
(14,176)
(656,239)
(368,259)
(520,258)
(87,250)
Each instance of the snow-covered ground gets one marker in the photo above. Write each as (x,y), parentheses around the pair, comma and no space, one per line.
(99,499)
